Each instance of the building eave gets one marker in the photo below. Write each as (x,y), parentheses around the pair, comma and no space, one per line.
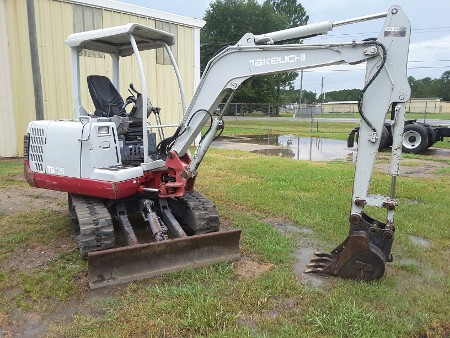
(141,11)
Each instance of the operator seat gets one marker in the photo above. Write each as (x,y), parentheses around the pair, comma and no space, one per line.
(106,98)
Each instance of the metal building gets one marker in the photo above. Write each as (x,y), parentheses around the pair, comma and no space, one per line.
(35,64)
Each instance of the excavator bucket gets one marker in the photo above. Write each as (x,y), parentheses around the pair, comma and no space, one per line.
(361,256)
(141,261)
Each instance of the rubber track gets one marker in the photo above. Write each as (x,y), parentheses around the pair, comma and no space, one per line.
(96,226)
(204,211)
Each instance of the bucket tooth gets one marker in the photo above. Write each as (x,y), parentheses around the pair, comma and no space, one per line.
(325,260)
(323,254)
(313,270)
(316,265)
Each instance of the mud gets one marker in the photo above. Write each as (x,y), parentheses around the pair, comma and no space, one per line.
(419,169)
(249,267)
(420,241)
(307,245)
(26,259)
(15,200)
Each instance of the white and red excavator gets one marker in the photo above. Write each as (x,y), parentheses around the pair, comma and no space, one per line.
(112,163)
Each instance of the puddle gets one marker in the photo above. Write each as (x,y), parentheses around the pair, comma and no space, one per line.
(288,228)
(303,256)
(420,241)
(297,148)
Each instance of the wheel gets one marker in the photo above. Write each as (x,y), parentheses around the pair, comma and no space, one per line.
(432,135)
(385,139)
(415,138)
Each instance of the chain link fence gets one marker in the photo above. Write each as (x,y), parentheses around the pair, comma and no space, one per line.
(270,109)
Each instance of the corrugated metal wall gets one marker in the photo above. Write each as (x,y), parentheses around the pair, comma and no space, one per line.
(8,135)
(55,20)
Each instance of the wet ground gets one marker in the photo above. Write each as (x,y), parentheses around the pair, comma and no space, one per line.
(297,148)
(307,148)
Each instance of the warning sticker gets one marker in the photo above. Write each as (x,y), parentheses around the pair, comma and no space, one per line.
(395,31)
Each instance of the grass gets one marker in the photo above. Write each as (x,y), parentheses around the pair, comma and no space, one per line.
(410,300)
(27,234)
(9,172)
(409,116)
(297,128)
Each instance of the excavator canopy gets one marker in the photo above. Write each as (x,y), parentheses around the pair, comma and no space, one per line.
(116,40)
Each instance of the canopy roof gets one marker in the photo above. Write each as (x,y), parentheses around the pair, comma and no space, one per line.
(116,40)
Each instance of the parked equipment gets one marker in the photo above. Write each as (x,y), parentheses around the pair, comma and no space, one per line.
(111,165)
(417,136)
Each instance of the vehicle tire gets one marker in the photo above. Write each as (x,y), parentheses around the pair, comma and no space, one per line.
(432,135)
(384,142)
(386,139)
(415,138)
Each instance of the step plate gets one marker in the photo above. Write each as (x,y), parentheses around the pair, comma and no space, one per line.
(141,261)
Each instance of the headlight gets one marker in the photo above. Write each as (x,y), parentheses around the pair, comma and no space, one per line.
(103,130)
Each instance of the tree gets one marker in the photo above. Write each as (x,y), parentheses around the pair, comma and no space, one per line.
(294,15)
(228,20)
(342,95)
(444,86)
(293,12)
(428,87)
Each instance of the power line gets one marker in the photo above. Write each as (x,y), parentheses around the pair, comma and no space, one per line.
(363,69)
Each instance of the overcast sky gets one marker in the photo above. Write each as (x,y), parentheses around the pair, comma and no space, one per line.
(430,38)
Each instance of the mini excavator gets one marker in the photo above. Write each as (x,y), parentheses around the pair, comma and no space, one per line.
(112,163)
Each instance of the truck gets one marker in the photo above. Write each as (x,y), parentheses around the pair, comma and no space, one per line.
(113,164)
(417,136)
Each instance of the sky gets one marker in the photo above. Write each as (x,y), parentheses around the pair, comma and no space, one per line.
(429,52)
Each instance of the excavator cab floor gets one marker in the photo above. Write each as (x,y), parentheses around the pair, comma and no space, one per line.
(141,261)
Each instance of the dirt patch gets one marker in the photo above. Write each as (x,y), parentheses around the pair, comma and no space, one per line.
(15,200)
(436,329)
(420,169)
(249,267)
(26,259)
(25,325)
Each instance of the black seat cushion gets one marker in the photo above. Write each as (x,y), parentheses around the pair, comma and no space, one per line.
(106,98)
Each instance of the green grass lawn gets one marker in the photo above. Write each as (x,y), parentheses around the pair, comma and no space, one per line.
(411,300)
(334,130)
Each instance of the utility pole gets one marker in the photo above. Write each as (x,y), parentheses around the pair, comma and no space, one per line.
(301,86)
(301,92)
(321,94)
(321,90)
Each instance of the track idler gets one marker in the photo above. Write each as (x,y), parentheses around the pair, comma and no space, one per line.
(362,255)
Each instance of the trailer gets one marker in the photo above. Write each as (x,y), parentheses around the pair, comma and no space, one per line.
(417,136)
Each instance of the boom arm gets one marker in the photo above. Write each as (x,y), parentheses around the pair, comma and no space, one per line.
(363,254)
(227,70)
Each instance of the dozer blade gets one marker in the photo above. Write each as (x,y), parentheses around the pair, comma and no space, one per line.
(140,261)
